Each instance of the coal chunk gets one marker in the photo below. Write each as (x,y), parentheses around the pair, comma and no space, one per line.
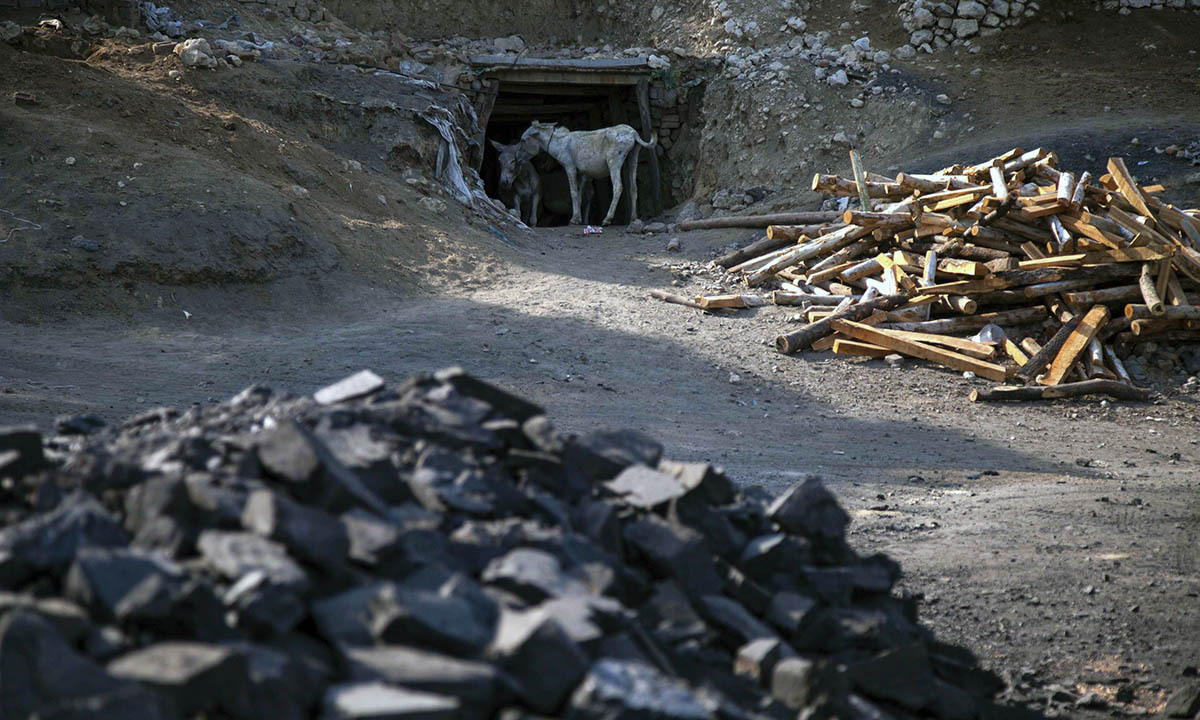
(765,556)
(645,488)
(733,620)
(376,701)
(290,453)
(674,551)
(38,668)
(503,401)
(310,534)
(712,484)
(631,689)
(809,509)
(477,685)
(49,542)
(902,675)
(623,447)
(457,617)
(124,584)
(1184,702)
(532,575)
(195,676)
(539,656)
(234,554)
(263,606)
(26,442)
(78,424)
(360,384)
(122,703)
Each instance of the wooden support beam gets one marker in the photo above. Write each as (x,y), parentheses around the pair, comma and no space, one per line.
(923,351)
(1075,344)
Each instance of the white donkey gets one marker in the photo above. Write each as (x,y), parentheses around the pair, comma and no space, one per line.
(591,153)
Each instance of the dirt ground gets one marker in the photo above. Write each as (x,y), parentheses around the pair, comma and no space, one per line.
(1058,541)
(1061,542)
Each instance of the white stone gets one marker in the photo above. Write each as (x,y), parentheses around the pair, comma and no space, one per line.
(9,31)
(657,13)
(965,28)
(838,79)
(1000,7)
(971,9)
(922,18)
(512,43)
(797,24)
(863,44)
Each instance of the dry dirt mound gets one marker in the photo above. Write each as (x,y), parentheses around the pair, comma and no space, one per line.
(281,171)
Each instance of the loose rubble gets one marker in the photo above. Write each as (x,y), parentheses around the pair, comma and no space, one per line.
(1009,242)
(436,549)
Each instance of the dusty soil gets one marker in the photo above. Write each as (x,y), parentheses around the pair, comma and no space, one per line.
(1058,541)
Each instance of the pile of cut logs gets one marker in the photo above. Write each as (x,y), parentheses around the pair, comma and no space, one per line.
(1013,246)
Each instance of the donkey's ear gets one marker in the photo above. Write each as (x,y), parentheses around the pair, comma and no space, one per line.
(498,146)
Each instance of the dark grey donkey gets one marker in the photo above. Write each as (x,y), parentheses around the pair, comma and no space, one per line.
(520,184)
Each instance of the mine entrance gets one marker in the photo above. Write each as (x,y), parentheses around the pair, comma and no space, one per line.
(578,95)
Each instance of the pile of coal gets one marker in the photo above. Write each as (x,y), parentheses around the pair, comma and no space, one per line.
(435,550)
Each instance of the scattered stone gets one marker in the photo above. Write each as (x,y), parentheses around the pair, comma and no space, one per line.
(542,660)
(360,384)
(1183,702)
(195,676)
(376,701)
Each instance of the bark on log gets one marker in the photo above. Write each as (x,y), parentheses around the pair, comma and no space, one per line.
(1042,357)
(1170,312)
(751,251)
(1111,388)
(804,337)
(1147,326)
(793,232)
(676,299)
(761,221)
(1149,293)
(1020,316)
(780,297)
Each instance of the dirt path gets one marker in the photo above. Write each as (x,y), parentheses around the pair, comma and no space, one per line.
(1058,541)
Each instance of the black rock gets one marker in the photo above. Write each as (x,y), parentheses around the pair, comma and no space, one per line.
(69,619)
(78,424)
(645,488)
(195,676)
(376,701)
(309,534)
(347,618)
(366,451)
(122,703)
(756,659)
(1184,702)
(264,607)
(48,543)
(360,384)
(539,656)
(809,509)
(623,447)
(458,617)
(630,689)
(478,685)
(713,486)
(234,554)
(279,686)
(767,555)
(531,575)
(672,616)
(504,402)
(902,675)
(290,453)
(26,442)
(124,584)
(737,625)
(38,668)
(674,551)
(790,612)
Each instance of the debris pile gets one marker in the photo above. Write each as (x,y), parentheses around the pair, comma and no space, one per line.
(984,251)
(438,550)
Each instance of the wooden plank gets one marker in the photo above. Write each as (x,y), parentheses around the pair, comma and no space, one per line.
(963,267)
(1015,352)
(938,355)
(854,347)
(1076,343)
(983,351)
(1127,185)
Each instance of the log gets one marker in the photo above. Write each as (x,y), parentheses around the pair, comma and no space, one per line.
(933,183)
(712,302)
(793,232)
(676,299)
(1080,189)
(1170,312)
(761,221)
(753,250)
(1149,292)
(780,297)
(1111,388)
(1042,357)
(860,181)
(1147,326)
(797,340)
(960,304)
(1076,343)
(950,359)
(837,185)
(846,235)
(1020,316)
(873,220)
(1129,188)
(1120,293)
(983,351)
(1117,366)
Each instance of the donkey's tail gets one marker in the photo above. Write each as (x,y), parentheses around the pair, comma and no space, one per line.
(653,139)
